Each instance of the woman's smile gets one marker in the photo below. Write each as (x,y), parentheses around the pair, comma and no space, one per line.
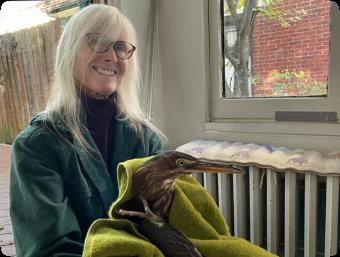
(105,71)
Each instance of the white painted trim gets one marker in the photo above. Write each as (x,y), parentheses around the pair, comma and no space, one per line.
(255,202)
(320,137)
(310,215)
(270,127)
(239,205)
(209,184)
(332,212)
(225,196)
(290,214)
(272,212)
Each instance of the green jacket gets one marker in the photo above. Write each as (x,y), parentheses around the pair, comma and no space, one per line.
(57,191)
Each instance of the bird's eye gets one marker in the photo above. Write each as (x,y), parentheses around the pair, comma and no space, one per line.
(180,162)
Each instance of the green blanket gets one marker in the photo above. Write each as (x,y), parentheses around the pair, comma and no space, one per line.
(193,212)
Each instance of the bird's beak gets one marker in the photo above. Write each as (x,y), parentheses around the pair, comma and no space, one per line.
(213,167)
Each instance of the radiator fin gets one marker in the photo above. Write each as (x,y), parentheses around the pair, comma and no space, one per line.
(290,214)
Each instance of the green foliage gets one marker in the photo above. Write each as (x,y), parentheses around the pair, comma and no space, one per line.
(254,79)
(270,9)
(239,7)
(296,83)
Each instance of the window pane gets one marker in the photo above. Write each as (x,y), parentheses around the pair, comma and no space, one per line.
(276,48)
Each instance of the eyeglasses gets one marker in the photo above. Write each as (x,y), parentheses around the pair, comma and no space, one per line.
(101,44)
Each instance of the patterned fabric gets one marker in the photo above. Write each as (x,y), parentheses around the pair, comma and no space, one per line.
(265,156)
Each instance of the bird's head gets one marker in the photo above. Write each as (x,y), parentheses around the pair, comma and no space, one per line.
(186,164)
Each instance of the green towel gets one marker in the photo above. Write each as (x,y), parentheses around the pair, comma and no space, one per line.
(193,212)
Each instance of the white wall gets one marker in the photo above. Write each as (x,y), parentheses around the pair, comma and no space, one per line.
(141,15)
(183,56)
(178,99)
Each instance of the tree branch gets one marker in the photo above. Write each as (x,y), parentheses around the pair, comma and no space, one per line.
(247,17)
(233,12)
(231,58)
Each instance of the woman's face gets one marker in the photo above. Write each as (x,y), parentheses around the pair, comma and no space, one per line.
(99,74)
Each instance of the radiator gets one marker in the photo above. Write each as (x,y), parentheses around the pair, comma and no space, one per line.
(287,213)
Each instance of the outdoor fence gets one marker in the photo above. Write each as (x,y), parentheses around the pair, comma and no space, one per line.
(26,60)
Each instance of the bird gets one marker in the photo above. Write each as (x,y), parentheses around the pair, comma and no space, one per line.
(154,179)
(153,185)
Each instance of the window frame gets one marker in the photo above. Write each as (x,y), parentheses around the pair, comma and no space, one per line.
(257,115)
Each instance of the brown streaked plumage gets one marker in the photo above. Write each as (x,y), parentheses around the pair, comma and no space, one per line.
(170,241)
(153,181)
(153,184)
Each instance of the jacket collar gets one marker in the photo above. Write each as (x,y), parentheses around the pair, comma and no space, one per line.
(124,140)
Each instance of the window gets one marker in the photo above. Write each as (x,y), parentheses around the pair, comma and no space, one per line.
(288,42)
(296,80)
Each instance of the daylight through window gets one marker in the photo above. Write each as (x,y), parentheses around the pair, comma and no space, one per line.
(275,48)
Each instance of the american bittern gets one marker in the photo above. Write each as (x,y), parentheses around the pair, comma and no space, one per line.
(153,184)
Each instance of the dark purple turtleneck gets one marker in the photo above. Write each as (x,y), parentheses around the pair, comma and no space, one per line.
(100,122)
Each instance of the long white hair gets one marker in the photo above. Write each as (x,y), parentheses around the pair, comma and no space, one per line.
(64,101)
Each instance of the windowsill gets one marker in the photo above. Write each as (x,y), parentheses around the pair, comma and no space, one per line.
(307,135)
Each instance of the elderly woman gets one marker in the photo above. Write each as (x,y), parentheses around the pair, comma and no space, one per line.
(63,174)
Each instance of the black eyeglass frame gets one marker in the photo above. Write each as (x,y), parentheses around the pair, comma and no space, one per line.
(113,44)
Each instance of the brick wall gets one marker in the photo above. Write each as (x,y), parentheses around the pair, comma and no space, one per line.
(304,46)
